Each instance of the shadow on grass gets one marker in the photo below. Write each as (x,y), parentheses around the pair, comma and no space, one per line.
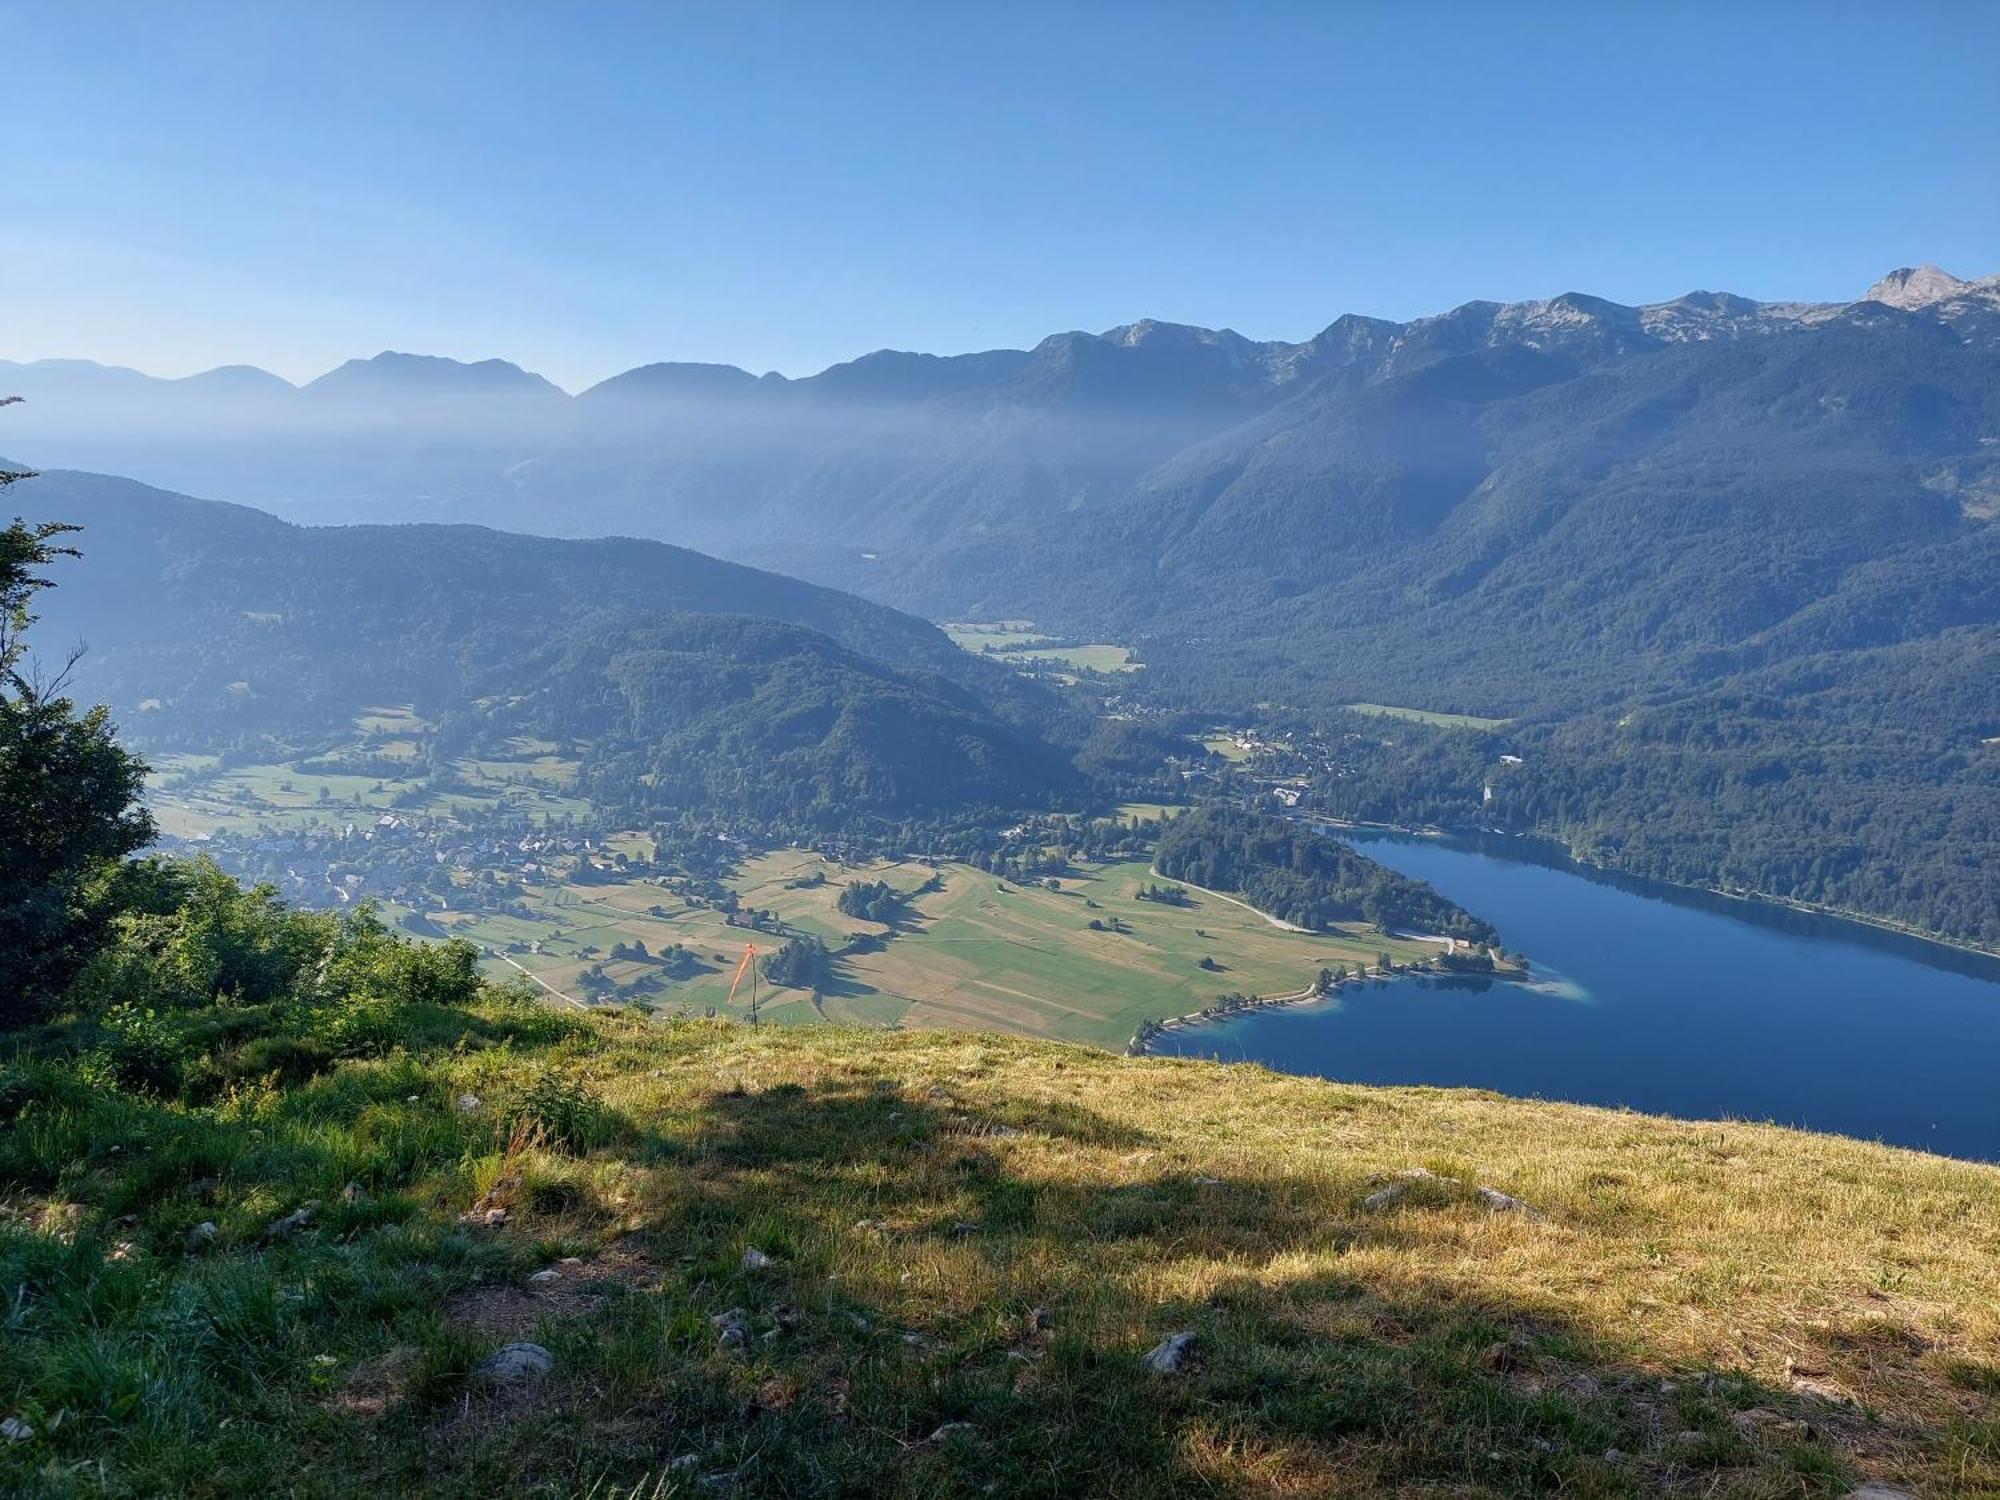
(955,1299)
(935,1321)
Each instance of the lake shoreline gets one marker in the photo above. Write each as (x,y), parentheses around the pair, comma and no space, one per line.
(1142,1041)
(1561,855)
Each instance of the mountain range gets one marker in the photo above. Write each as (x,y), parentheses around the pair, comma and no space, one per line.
(880,458)
(1728,569)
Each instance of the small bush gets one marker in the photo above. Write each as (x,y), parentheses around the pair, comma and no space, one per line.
(291,1059)
(364,1026)
(569,1115)
(141,1050)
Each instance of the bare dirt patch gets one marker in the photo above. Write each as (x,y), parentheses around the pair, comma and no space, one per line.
(578,1287)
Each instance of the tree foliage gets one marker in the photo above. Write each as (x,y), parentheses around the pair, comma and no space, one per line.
(68,798)
(1300,877)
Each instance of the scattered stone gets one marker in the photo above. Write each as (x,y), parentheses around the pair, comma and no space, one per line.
(570,1260)
(14,1430)
(547,1275)
(1821,1390)
(755,1259)
(1208,1182)
(1613,1456)
(732,1328)
(1399,1188)
(785,1315)
(1759,1421)
(1504,1203)
(352,1194)
(1381,1198)
(685,1462)
(1006,1132)
(962,1229)
(949,1431)
(1876,1490)
(1505,1355)
(468,1104)
(1170,1354)
(283,1229)
(201,1236)
(869,1225)
(513,1363)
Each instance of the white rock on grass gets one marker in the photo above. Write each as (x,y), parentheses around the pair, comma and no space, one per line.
(1503,1203)
(283,1229)
(1382,1197)
(1170,1354)
(1876,1490)
(512,1363)
(546,1276)
(732,1328)
(14,1430)
(755,1259)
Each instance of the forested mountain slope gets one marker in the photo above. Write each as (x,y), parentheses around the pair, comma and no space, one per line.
(692,681)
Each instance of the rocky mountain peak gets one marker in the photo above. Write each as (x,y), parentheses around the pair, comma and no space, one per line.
(1915,286)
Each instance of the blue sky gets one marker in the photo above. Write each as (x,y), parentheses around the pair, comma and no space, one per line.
(585,188)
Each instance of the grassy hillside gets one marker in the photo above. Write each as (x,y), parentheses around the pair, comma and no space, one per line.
(977,953)
(966,1247)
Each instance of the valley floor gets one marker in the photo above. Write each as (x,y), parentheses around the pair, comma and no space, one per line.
(981,953)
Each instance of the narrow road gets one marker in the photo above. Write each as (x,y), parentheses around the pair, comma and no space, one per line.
(532,975)
(1278,922)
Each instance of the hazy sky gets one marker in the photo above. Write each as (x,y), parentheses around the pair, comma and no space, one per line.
(581,188)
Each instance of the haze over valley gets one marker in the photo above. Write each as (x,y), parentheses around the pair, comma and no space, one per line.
(1049,899)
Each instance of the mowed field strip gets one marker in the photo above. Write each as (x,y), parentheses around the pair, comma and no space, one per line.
(980,953)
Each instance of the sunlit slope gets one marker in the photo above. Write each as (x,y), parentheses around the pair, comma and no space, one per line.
(966,1247)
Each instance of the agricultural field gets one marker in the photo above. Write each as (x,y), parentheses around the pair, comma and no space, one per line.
(1017,641)
(1101,657)
(1425,716)
(977,635)
(193,797)
(979,953)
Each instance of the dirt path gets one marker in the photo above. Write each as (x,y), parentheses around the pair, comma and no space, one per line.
(536,978)
(1278,922)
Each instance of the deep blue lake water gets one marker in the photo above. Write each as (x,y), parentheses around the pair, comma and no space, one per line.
(1672,1003)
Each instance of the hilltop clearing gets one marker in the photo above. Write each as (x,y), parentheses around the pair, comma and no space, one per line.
(847,1263)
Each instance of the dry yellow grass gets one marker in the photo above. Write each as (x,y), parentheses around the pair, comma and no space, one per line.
(1733,1292)
(968,1243)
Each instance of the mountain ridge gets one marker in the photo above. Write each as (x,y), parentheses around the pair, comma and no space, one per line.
(1906,288)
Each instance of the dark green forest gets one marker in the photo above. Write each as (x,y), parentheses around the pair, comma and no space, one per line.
(1303,877)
